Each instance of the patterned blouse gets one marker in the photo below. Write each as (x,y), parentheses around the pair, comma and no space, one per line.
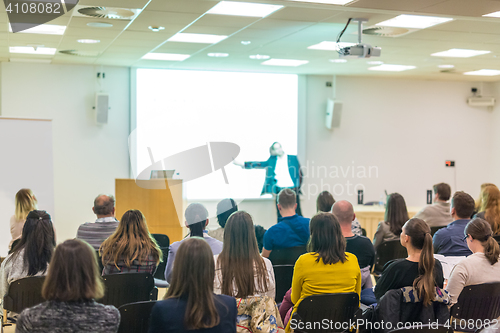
(137,266)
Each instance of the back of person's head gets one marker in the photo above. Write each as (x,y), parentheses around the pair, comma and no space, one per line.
(324,202)
(481,230)
(104,205)
(443,191)
(196,218)
(327,239)
(25,202)
(259,234)
(274,148)
(130,241)
(490,204)
(37,241)
(344,212)
(419,233)
(193,278)
(479,202)
(240,260)
(287,198)
(73,274)
(396,213)
(224,209)
(464,205)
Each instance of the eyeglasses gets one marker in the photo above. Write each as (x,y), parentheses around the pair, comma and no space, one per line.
(465,238)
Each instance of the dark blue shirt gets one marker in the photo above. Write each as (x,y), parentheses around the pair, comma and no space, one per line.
(449,241)
(290,231)
(168,316)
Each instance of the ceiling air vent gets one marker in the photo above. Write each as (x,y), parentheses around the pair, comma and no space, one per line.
(387,31)
(107,12)
(80,53)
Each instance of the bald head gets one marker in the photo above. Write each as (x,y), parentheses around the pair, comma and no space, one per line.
(104,205)
(343,211)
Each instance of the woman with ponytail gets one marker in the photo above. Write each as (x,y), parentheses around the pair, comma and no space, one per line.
(482,266)
(419,269)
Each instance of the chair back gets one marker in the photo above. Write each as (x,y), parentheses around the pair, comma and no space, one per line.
(478,302)
(164,243)
(386,252)
(287,256)
(339,308)
(283,276)
(425,329)
(363,232)
(435,229)
(162,240)
(127,288)
(24,293)
(135,317)
(99,261)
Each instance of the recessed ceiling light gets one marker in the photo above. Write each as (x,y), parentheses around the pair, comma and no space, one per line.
(166,56)
(245,42)
(284,62)
(32,50)
(414,21)
(155,28)
(196,38)
(460,53)
(338,60)
(374,62)
(218,55)
(44,29)
(259,56)
(330,46)
(446,66)
(391,68)
(40,61)
(243,9)
(99,25)
(494,14)
(88,41)
(484,72)
(330,2)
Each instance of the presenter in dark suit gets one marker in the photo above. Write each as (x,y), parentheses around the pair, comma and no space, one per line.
(282,171)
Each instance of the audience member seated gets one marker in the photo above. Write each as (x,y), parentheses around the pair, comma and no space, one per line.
(32,254)
(396,215)
(240,271)
(449,241)
(259,234)
(327,268)
(190,303)
(25,202)
(490,207)
(480,267)
(324,203)
(131,249)
(95,233)
(438,214)
(479,201)
(291,230)
(196,220)
(73,283)
(419,269)
(224,209)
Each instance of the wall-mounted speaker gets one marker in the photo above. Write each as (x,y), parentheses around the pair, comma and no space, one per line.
(101,108)
(333,114)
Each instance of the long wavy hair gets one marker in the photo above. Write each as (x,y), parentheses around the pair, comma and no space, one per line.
(326,239)
(25,202)
(131,241)
(479,201)
(396,213)
(490,205)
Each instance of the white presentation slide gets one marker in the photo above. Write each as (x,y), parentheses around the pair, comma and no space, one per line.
(179,110)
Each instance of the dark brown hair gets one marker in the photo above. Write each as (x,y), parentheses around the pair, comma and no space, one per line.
(327,239)
(490,205)
(240,260)
(443,191)
(193,278)
(287,198)
(464,204)
(396,213)
(324,202)
(481,230)
(421,239)
(73,273)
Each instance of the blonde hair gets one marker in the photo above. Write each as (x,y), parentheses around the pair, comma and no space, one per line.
(131,241)
(490,205)
(25,202)
(479,201)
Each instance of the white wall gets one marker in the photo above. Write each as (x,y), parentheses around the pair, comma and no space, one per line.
(87,157)
(495,140)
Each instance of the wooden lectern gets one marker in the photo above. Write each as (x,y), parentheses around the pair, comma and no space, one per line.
(157,199)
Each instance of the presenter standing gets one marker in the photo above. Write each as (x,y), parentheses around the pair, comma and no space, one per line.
(282,171)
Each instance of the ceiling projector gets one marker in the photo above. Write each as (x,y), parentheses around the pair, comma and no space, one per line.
(360,51)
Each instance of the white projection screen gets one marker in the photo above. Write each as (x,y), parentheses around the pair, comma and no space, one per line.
(177,110)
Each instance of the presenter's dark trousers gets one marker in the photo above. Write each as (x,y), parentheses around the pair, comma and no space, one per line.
(297,190)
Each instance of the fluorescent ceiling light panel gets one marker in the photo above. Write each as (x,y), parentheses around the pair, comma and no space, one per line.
(196,38)
(391,68)
(31,50)
(88,41)
(44,29)
(218,55)
(460,53)
(446,66)
(166,56)
(243,9)
(330,46)
(374,62)
(494,14)
(338,60)
(284,62)
(484,72)
(414,21)
(259,56)
(330,2)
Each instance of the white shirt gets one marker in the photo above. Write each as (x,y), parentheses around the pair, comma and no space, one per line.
(283,178)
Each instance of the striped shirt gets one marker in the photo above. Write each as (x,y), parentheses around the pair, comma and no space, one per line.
(97,232)
(137,266)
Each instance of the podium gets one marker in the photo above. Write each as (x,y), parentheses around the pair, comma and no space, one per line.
(157,199)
